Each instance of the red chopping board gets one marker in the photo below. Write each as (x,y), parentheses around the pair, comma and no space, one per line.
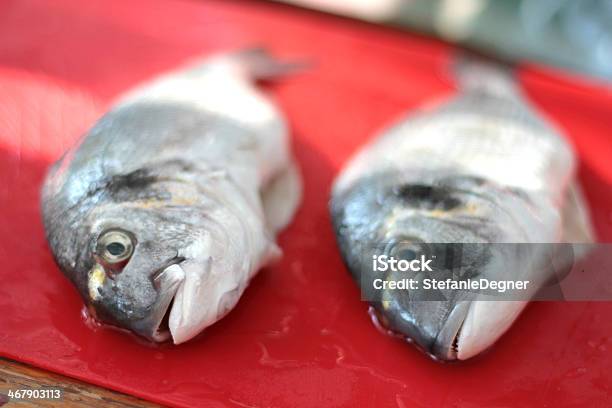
(300,336)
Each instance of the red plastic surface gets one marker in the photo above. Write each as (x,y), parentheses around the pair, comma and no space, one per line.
(300,336)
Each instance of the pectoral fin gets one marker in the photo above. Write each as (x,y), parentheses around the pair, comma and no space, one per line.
(577,227)
(281,198)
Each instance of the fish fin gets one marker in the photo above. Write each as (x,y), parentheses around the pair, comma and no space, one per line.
(476,73)
(577,236)
(577,227)
(257,63)
(249,64)
(281,197)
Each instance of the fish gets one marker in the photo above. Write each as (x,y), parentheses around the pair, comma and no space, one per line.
(170,204)
(482,167)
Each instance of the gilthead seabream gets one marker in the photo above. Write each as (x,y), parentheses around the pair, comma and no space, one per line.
(170,204)
(481,168)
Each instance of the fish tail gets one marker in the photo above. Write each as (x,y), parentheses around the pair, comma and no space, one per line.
(257,63)
(475,73)
(251,64)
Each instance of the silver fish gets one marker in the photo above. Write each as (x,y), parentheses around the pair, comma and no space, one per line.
(482,167)
(170,204)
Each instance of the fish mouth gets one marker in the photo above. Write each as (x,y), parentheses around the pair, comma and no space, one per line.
(446,345)
(168,281)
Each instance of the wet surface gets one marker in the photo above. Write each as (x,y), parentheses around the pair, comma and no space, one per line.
(300,336)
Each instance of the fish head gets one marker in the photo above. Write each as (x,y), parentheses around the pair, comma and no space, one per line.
(125,260)
(427,215)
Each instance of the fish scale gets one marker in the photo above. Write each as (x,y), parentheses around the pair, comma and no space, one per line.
(482,143)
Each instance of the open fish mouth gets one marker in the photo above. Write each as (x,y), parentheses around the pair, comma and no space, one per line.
(168,281)
(446,346)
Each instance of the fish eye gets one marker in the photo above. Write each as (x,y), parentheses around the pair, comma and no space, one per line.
(405,248)
(115,246)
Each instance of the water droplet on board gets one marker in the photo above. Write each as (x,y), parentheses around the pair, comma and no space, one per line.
(575,373)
